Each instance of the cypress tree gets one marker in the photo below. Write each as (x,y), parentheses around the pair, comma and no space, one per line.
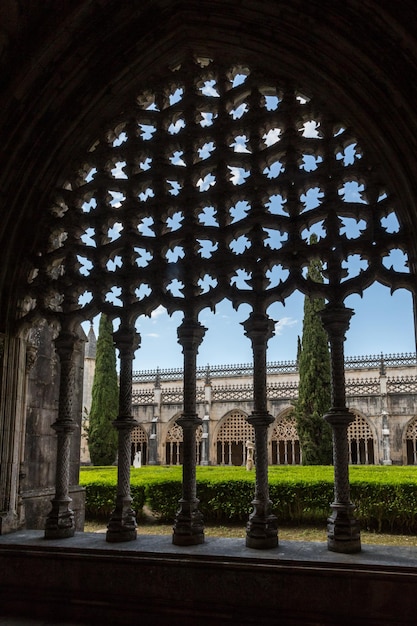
(102,436)
(314,396)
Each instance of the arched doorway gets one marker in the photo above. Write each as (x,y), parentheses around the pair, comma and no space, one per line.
(361,442)
(139,443)
(233,433)
(411,442)
(174,445)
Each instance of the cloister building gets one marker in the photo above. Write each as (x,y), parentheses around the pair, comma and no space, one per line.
(180,154)
(381,392)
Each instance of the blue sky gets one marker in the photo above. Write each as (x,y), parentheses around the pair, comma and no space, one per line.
(382,323)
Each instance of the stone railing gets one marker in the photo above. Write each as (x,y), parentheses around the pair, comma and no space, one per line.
(273,367)
(277,390)
(402,384)
(363,386)
(143,396)
(237,393)
(376,360)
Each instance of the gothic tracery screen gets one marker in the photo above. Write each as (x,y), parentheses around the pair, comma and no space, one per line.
(286,449)
(231,439)
(207,186)
(173,445)
(411,442)
(361,442)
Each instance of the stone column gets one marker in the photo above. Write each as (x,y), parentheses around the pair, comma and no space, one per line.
(343,529)
(153,437)
(60,521)
(386,448)
(261,529)
(205,443)
(153,442)
(188,526)
(122,524)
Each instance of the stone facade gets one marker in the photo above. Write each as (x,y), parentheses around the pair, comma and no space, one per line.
(89,369)
(381,391)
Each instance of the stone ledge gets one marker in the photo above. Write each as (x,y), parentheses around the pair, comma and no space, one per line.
(86,579)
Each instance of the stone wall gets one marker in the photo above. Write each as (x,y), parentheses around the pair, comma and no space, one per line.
(375,388)
(38,469)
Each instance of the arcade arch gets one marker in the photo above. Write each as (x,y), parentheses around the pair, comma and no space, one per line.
(174,444)
(230,439)
(411,442)
(362,442)
(207,186)
(139,443)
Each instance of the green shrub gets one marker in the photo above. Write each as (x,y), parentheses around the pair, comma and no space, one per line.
(100,488)
(385,497)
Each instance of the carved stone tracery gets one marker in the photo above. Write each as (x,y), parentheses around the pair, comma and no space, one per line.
(249,165)
(208,186)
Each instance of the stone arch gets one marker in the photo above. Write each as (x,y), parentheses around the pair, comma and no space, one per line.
(117,233)
(345,95)
(124,214)
(139,443)
(230,437)
(410,442)
(287,144)
(362,441)
(285,443)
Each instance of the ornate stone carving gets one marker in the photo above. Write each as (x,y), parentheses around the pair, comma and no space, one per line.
(189,527)
(207,186)
(60,520)
(261,529)
(122,524)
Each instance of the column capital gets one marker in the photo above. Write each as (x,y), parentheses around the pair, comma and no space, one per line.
(259,327)
(336,320)
(126,340)
(339,416)
(190,334)
(65,343)
(260,418)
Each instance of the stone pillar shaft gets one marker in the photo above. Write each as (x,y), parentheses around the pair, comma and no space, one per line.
(122,524)
(188,526)
(343,528)
(60,521)
(261,529)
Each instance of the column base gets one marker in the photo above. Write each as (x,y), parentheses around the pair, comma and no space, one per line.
(189,527)
(262,533)
(192,539)
(121,534)
(122,524)
(60,522)
(343,530)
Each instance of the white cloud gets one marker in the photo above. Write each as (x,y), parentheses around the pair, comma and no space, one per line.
(311,129)
(154,335)
(160,310)
(272,136)
(283,323)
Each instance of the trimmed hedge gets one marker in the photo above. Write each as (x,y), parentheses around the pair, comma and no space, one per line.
(385,497)
(100,492)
